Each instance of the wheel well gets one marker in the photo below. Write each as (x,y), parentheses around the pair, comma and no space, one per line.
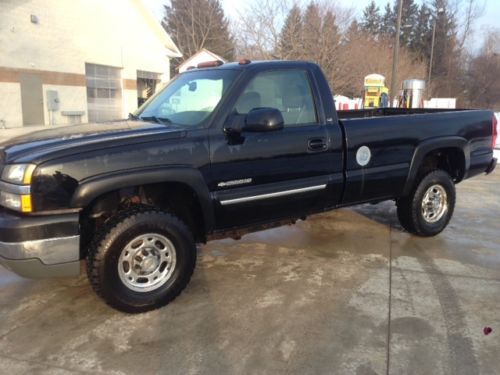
(176,198)
(451,160)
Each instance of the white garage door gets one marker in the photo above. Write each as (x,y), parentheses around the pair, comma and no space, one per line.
(104,92)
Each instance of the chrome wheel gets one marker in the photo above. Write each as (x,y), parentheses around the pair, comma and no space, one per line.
(147,262)
(434,203)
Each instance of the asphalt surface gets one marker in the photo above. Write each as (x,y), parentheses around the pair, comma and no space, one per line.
(346,292)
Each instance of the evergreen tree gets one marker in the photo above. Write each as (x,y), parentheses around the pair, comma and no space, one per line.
(311,32)
(409,18)
(330,35)
(388,22)
(371,21)
(290,43)
(329,45)
(421,41)
(353,30)
(197,24)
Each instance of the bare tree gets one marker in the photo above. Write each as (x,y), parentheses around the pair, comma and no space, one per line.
(361,55)
(465,12)
(258,28)
(483,79)
(320,32)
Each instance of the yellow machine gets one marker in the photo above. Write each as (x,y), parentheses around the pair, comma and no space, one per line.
(375,94)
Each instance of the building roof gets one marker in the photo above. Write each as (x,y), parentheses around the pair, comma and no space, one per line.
(188,62)
(172,49)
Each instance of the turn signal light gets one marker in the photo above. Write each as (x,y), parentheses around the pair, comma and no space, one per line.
(20,203)
(26,203)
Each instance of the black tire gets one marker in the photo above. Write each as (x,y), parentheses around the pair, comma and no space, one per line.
(410,212)
(121,231)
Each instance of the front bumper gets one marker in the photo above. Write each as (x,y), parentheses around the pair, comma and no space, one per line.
(40,246)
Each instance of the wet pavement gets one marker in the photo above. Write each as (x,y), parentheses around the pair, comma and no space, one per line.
(346,292)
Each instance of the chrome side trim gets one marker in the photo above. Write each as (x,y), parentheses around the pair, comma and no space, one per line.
(48,251)
(15,189)
(272,195)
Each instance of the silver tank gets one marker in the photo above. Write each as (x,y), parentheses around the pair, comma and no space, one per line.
(413,91)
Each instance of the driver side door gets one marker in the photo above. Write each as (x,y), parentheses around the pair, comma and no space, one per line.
(267,176)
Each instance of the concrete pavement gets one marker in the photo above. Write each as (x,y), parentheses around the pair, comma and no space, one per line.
(346,292)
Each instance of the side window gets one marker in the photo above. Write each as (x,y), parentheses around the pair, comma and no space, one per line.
(286,90)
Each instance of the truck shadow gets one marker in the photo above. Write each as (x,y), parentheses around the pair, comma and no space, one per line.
(382,213)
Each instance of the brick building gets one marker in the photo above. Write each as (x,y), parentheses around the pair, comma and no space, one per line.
(64,61)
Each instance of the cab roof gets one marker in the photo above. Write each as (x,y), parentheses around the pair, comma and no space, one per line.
(260,64)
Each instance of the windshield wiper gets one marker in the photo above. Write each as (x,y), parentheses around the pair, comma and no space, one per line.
(158,120)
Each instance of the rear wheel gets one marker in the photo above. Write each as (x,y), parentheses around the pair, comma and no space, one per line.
(141,260)
(429,207)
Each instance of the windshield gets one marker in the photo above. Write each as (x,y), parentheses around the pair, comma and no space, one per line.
(189,99)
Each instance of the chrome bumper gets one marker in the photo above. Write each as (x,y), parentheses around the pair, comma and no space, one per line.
(40,246)
(54,257)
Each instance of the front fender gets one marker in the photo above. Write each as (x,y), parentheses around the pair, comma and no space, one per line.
(90,189)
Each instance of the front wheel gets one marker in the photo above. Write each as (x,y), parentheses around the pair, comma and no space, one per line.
(142,259)
(429,207)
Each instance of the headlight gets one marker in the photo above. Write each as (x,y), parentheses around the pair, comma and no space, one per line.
(16,202)
(18,173)
(15,189)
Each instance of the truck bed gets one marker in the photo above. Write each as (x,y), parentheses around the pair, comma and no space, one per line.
(394,140)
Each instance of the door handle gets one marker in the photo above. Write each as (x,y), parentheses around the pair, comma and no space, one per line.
(316,144)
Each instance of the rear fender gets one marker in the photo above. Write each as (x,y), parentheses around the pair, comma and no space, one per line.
(430,145)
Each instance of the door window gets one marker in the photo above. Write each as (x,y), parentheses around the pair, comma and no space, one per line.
(286,90)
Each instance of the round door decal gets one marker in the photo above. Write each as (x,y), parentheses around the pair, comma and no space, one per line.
(363,155)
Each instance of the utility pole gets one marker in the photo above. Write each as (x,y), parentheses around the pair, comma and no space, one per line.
(432,56)
(395,54)
(439,11)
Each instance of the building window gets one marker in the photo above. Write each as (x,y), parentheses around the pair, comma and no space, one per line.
(104,92)
(147,83)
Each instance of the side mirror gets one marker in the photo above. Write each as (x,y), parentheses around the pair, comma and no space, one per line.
(263,120)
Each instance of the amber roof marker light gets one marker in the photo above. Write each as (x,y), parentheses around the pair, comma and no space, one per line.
(244,62)
(209,64)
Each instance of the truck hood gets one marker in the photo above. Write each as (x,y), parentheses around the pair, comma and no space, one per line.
(35,146)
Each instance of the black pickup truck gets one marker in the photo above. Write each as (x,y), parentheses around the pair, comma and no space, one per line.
(222,150)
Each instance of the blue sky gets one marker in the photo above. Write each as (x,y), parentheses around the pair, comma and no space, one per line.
(488,19)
